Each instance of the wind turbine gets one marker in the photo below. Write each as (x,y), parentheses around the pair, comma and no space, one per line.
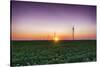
(73,32)
(55,38)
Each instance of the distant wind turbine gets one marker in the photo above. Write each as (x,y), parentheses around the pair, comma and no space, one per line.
(55,38)
(73,32)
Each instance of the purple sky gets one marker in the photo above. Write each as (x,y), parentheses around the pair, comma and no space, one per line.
(41,18)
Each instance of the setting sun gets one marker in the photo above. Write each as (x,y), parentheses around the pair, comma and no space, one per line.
(56,39)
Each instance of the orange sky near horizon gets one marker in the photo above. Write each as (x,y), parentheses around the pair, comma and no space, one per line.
(50,36)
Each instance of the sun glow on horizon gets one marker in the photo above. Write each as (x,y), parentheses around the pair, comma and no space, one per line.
(56,39)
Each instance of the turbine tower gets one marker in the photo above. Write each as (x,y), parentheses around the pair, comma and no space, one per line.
(73,32)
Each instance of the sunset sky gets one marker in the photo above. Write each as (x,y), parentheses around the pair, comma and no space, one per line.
(39,21)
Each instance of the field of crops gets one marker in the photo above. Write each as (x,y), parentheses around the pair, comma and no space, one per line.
(47,52)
